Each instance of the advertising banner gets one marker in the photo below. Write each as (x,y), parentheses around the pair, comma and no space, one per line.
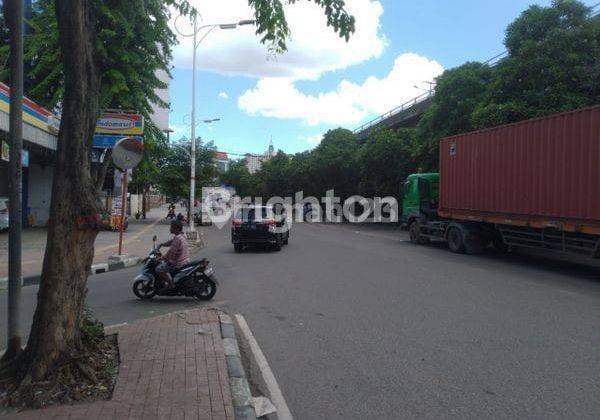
(120,124)
(107,142)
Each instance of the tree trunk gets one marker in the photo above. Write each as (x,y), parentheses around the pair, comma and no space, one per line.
(144,193)
(75,205)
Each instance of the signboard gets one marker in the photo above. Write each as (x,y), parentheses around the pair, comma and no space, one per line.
(25,158)
(6,155)
(5,151)
(102,141)
(33,114)
(124,124)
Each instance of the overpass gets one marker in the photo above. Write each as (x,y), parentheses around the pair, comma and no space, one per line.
(403,116)
(409,113)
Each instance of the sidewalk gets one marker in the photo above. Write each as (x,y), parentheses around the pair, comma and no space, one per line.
(172,366)
(137,240)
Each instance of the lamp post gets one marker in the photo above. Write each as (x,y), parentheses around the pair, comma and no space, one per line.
(431,86)
(197,42)
(193,173)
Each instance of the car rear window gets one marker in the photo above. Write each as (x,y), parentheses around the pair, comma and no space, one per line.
(252,213)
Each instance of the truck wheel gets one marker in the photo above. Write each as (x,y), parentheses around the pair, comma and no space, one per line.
(414,231)
(456,239)
(499,244)
(474,244)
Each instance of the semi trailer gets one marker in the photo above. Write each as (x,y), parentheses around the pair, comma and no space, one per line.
(534,184)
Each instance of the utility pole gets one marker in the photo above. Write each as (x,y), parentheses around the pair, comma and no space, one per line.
(193,152)
(13,13)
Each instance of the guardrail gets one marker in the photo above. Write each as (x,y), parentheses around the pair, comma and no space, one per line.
(397,110)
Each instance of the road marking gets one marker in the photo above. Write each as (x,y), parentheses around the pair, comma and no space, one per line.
(283,412)
(132,238)
(122,324)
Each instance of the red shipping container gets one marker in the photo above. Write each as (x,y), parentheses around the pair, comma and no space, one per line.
(540,172)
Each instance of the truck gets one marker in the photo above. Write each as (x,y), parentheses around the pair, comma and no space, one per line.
(532,184)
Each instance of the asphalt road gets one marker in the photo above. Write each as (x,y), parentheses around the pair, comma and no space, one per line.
(357,323)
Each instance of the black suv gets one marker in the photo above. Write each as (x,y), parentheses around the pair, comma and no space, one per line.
(254,225)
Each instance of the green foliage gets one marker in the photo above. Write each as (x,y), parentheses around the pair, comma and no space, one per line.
(272,24)
(385,161)
(458,93)
(238,176)
(553,65)
(91,329)
(174,169)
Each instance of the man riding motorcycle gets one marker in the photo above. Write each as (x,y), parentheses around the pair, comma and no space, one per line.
(177,256)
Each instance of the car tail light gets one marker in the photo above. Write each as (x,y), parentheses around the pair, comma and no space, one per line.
(269,222)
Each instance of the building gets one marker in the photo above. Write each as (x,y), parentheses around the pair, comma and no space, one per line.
(160,116)
(221,161)
(40,128)
(254,162)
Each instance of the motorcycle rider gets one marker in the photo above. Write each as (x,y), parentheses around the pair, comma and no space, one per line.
(171,211)
(177,256)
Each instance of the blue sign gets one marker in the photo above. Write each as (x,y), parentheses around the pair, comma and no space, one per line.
(102,141)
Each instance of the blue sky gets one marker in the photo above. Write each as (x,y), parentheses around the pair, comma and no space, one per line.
(323,83)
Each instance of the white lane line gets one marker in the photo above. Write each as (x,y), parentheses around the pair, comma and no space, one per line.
(283,412)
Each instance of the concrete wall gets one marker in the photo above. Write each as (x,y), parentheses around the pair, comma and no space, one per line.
(40,191)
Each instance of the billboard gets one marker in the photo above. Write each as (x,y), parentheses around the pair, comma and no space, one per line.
(114,126)
(123,124)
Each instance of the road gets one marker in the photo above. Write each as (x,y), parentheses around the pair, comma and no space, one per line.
(357,323)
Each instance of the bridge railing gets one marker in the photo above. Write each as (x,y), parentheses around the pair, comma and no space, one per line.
(408,104)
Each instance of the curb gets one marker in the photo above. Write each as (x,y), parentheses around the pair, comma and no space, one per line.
(94,269)
(238,383)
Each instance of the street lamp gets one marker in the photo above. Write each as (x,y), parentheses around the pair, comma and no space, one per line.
(195,47)
(431,86)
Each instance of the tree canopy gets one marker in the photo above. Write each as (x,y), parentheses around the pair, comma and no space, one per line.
(552,65)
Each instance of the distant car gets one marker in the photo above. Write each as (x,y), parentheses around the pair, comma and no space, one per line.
(3,214)
(256,225)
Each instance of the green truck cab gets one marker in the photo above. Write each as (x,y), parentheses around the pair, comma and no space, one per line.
(420,197)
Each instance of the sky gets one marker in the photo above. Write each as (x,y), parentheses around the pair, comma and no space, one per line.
(323,82)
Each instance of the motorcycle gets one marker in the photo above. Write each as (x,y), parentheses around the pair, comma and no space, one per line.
(195,279)
(171,214)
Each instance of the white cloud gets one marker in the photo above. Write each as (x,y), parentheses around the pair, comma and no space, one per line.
(179,131)
(223,95)
(313,48)
(314,140)
(279,97)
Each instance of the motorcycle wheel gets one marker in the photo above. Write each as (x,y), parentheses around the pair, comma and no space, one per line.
(143,290)
(207,290)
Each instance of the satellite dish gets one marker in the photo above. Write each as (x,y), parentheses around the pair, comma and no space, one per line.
(127,153)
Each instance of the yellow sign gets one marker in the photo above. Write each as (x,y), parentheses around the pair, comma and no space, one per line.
(5,151)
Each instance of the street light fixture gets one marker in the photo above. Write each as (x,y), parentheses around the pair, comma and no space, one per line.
(431,86)
(196,43)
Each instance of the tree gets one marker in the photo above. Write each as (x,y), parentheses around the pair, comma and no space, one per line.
(147,174)
(274,176)
(458,93)
(91,70)
(385,162)
(239,177)
(553,65)
(174,167)
(334,164)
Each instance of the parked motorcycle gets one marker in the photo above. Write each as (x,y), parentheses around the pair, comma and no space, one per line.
(195,279)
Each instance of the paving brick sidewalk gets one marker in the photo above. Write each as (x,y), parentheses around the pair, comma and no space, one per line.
(172,367)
